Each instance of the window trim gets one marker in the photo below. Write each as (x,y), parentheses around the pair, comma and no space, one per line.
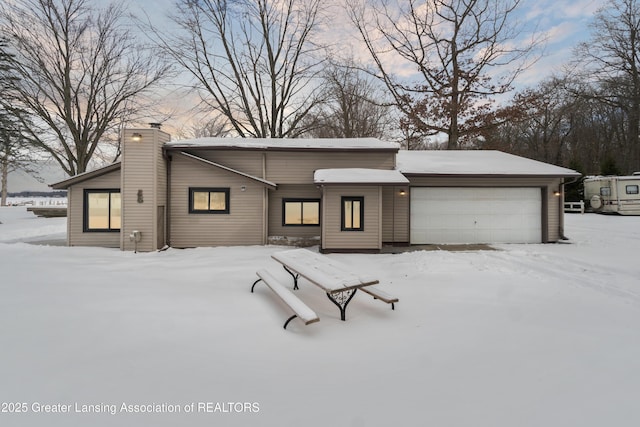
(225,190)
(85,210)
(626,189)
(302,201)
(352,199)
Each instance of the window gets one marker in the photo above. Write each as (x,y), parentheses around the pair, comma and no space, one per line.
(352,213)
(209,200)
(632,189)
(301,212)
(102,210)
(605,191)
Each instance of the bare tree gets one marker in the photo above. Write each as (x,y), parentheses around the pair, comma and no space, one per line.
(14,148)
(216,126)
(80,71)
(253,61)
(354,106)
(457,48)
(612,59)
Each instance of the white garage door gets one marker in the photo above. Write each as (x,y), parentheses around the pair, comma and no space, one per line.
(476,215)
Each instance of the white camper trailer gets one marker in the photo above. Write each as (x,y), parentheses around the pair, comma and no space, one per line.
(613,194)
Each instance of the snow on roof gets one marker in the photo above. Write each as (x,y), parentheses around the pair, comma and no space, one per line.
(474,162)
(289,144)
(358,176)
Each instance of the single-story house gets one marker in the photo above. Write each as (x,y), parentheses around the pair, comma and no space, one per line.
(343,194)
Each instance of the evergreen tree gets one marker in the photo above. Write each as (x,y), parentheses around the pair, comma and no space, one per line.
(15,153)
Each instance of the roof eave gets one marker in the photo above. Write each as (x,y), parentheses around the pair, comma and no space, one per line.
(458,175)
(280,149)
(63,185)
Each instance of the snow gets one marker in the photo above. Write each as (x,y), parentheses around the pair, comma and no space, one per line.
(359,176)
(528,335)
(475,162)
(276,143)
(300,308)
(330,274)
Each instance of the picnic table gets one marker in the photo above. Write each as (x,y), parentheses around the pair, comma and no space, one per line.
(338,280)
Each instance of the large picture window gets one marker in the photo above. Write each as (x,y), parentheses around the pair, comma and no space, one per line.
(302,212)
(209,200)
(352,213)
(102,210)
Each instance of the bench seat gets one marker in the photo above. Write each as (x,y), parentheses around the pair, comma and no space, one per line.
(378,293)
(301,310)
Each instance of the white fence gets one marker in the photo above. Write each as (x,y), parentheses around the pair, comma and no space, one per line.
(574,206)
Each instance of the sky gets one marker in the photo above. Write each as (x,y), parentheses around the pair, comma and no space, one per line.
(565,23)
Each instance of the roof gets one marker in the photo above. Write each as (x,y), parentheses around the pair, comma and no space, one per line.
(611,178)
(63,185)
(359,176)
(475,163)
(237,172)
(306,144)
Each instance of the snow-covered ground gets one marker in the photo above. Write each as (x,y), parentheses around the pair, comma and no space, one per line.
(529,335)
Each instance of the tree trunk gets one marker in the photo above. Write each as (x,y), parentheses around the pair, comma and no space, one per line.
(4,166)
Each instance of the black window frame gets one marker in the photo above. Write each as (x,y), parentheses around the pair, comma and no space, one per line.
(227,197)
(637,188)
(302,201)
(351,199)
(85,210)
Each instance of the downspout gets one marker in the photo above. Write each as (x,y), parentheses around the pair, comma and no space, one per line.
(561,206)
(265,203)
(167,214)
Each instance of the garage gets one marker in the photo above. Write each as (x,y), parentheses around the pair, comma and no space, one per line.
(460,215)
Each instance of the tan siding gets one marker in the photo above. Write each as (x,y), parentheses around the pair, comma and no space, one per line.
(242,226)
(395,215)
(249,162)
(75,234)
(552,184)
(333,237)
(554,203)
(298,167)
(275,210)
(161,186)
(140,168)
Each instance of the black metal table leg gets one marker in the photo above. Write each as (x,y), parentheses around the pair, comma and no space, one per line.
(295,277)
(342,300)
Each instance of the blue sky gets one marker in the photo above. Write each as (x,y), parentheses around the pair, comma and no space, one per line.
(565,22)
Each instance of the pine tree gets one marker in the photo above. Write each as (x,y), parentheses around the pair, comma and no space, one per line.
(15,153)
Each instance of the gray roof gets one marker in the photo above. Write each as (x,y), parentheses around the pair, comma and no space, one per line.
(359,176)
(304,144)
(475,163)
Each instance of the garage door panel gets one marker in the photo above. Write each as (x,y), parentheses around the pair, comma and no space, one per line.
(476,215)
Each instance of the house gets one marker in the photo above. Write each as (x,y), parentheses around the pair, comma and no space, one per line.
(345,195)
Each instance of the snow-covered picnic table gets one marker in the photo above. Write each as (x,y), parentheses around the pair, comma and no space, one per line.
(338,280)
